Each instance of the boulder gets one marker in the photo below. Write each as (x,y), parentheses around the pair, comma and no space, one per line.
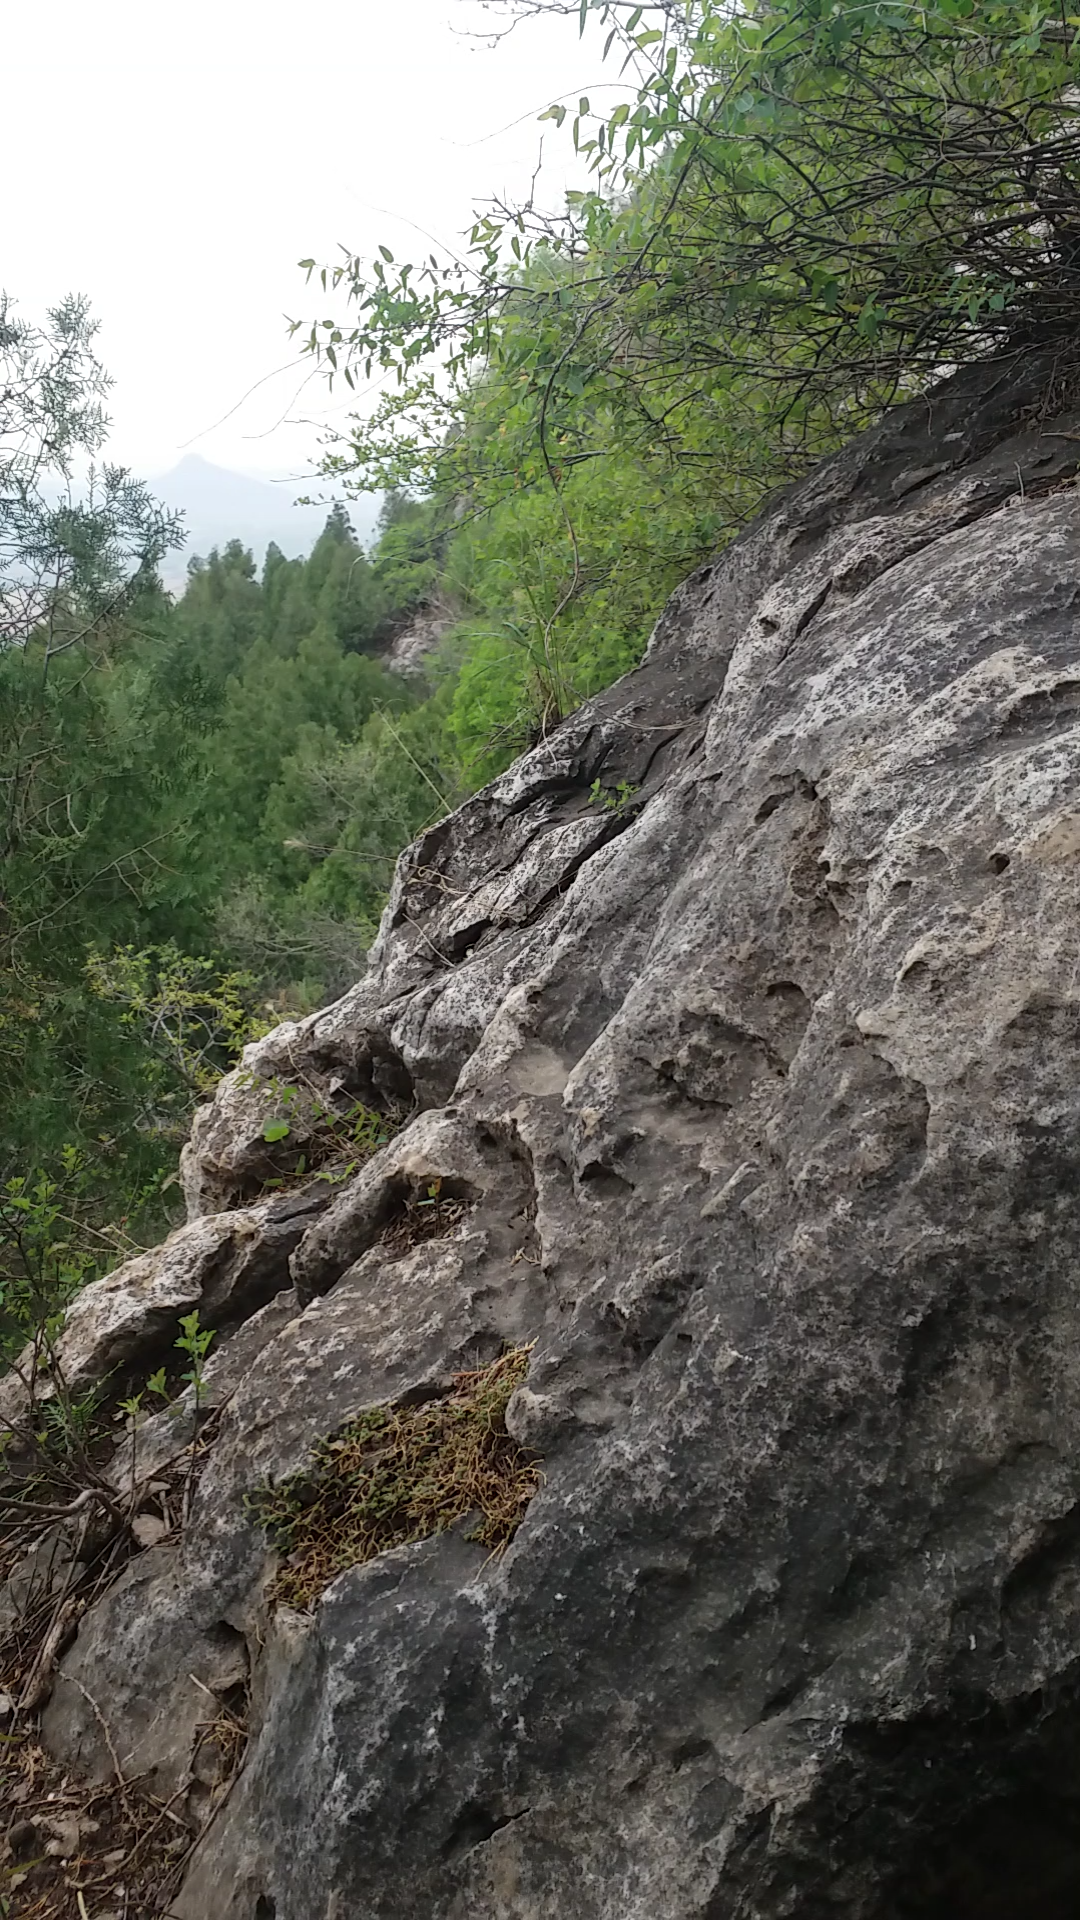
(224,1267)
(740,1018)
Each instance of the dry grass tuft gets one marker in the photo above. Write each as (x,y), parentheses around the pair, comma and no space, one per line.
(434,1217)
(399,1474)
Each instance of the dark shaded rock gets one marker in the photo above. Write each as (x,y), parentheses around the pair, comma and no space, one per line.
(760,1093)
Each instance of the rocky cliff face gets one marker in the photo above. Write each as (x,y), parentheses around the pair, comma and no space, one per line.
(409,649)
(752,1074)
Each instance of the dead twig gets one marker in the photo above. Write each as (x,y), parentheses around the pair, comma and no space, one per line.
(121,1778)
(39,1680)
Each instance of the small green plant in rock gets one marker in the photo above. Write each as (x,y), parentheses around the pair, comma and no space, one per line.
(280,1126)
(615,798)
(400,1474)
(194,1340)
(336,1142)
(68,1422)
(157,1383)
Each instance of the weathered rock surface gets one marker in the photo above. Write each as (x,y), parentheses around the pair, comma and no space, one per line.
(408,651)
(760,1092)
(224,1266)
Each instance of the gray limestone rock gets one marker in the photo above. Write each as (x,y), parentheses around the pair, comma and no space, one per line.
(143,1672)
(760,1091)
(410,649)
(225,1266)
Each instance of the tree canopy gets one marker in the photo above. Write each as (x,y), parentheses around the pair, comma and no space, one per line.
(799,212)
(181,858)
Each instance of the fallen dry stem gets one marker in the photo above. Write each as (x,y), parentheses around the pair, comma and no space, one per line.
(433,1217)
(61,1839)
(401,1474)
(68,1846)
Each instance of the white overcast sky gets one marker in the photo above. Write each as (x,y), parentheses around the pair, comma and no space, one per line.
(174,159)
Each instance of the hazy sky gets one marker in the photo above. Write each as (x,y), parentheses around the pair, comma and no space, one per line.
(174,162)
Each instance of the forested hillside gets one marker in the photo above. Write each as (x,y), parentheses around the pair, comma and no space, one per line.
(204,799)
(796,216)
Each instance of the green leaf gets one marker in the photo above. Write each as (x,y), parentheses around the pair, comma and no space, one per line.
(276,1130)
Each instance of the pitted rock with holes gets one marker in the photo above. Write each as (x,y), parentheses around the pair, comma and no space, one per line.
(760,1094)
